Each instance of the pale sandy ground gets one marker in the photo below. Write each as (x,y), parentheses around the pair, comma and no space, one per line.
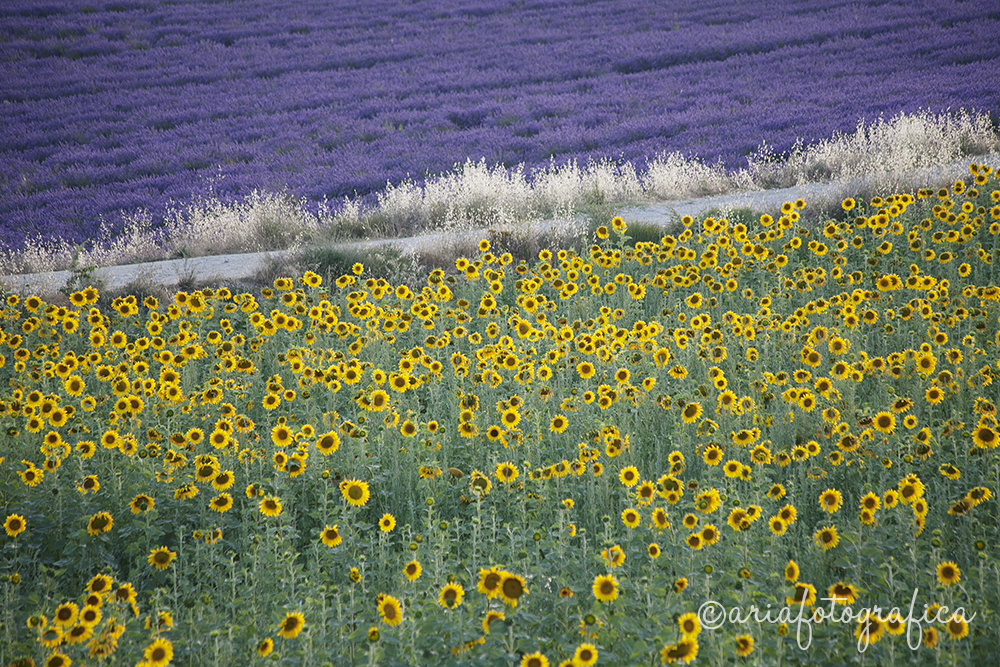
(223,268)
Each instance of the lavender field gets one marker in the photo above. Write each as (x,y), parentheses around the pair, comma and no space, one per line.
(111,108)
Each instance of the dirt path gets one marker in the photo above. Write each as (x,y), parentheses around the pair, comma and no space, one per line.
(170,273)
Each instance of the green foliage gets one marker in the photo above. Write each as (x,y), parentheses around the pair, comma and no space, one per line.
(365,416)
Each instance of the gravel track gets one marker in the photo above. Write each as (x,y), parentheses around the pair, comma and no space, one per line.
(224,268)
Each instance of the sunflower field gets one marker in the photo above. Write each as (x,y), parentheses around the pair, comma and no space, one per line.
(561,461)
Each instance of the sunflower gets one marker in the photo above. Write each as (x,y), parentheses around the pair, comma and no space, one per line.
(831,500)
(125,594)
(910,488)
(492,616)
(689,625)
(328,443)
(489,582)
(355,492)
(281,435)
(15,525)
(826,537)
(948,573)
(985,437)
(712,455)
(744,645)
(709,534)
(660,519)
(708,501)
(870,501)
(451,595)
(159,653)
(631,518)
(691,412)
(585,655)
(684,651)
(480,484)
(776,492)
(842,593)
(870,628)
(957,627)
(605,588)
(506,472)
(413,570)
(884,422)
(695,541)
(330,536)
(788,514)
(738,519)
(512,587)
(934,395)
(223,480)
(390,610)
(100,523)
(977,495)
(100,584)
(894,623)
(804,594)
(761,455)
(270,506)
(292,625)
(66,614)
(54,660)
(614,556)
(558,424)
(510,418)
(161,558)
(792,571)
(949,471)
(733,469)
(222,503)
(629,476)
(387,523)
(534,660)
(78,634)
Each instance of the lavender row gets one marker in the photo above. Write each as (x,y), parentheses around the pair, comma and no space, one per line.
(109,108)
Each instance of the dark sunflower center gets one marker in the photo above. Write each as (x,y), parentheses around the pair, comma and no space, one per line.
(512,588)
